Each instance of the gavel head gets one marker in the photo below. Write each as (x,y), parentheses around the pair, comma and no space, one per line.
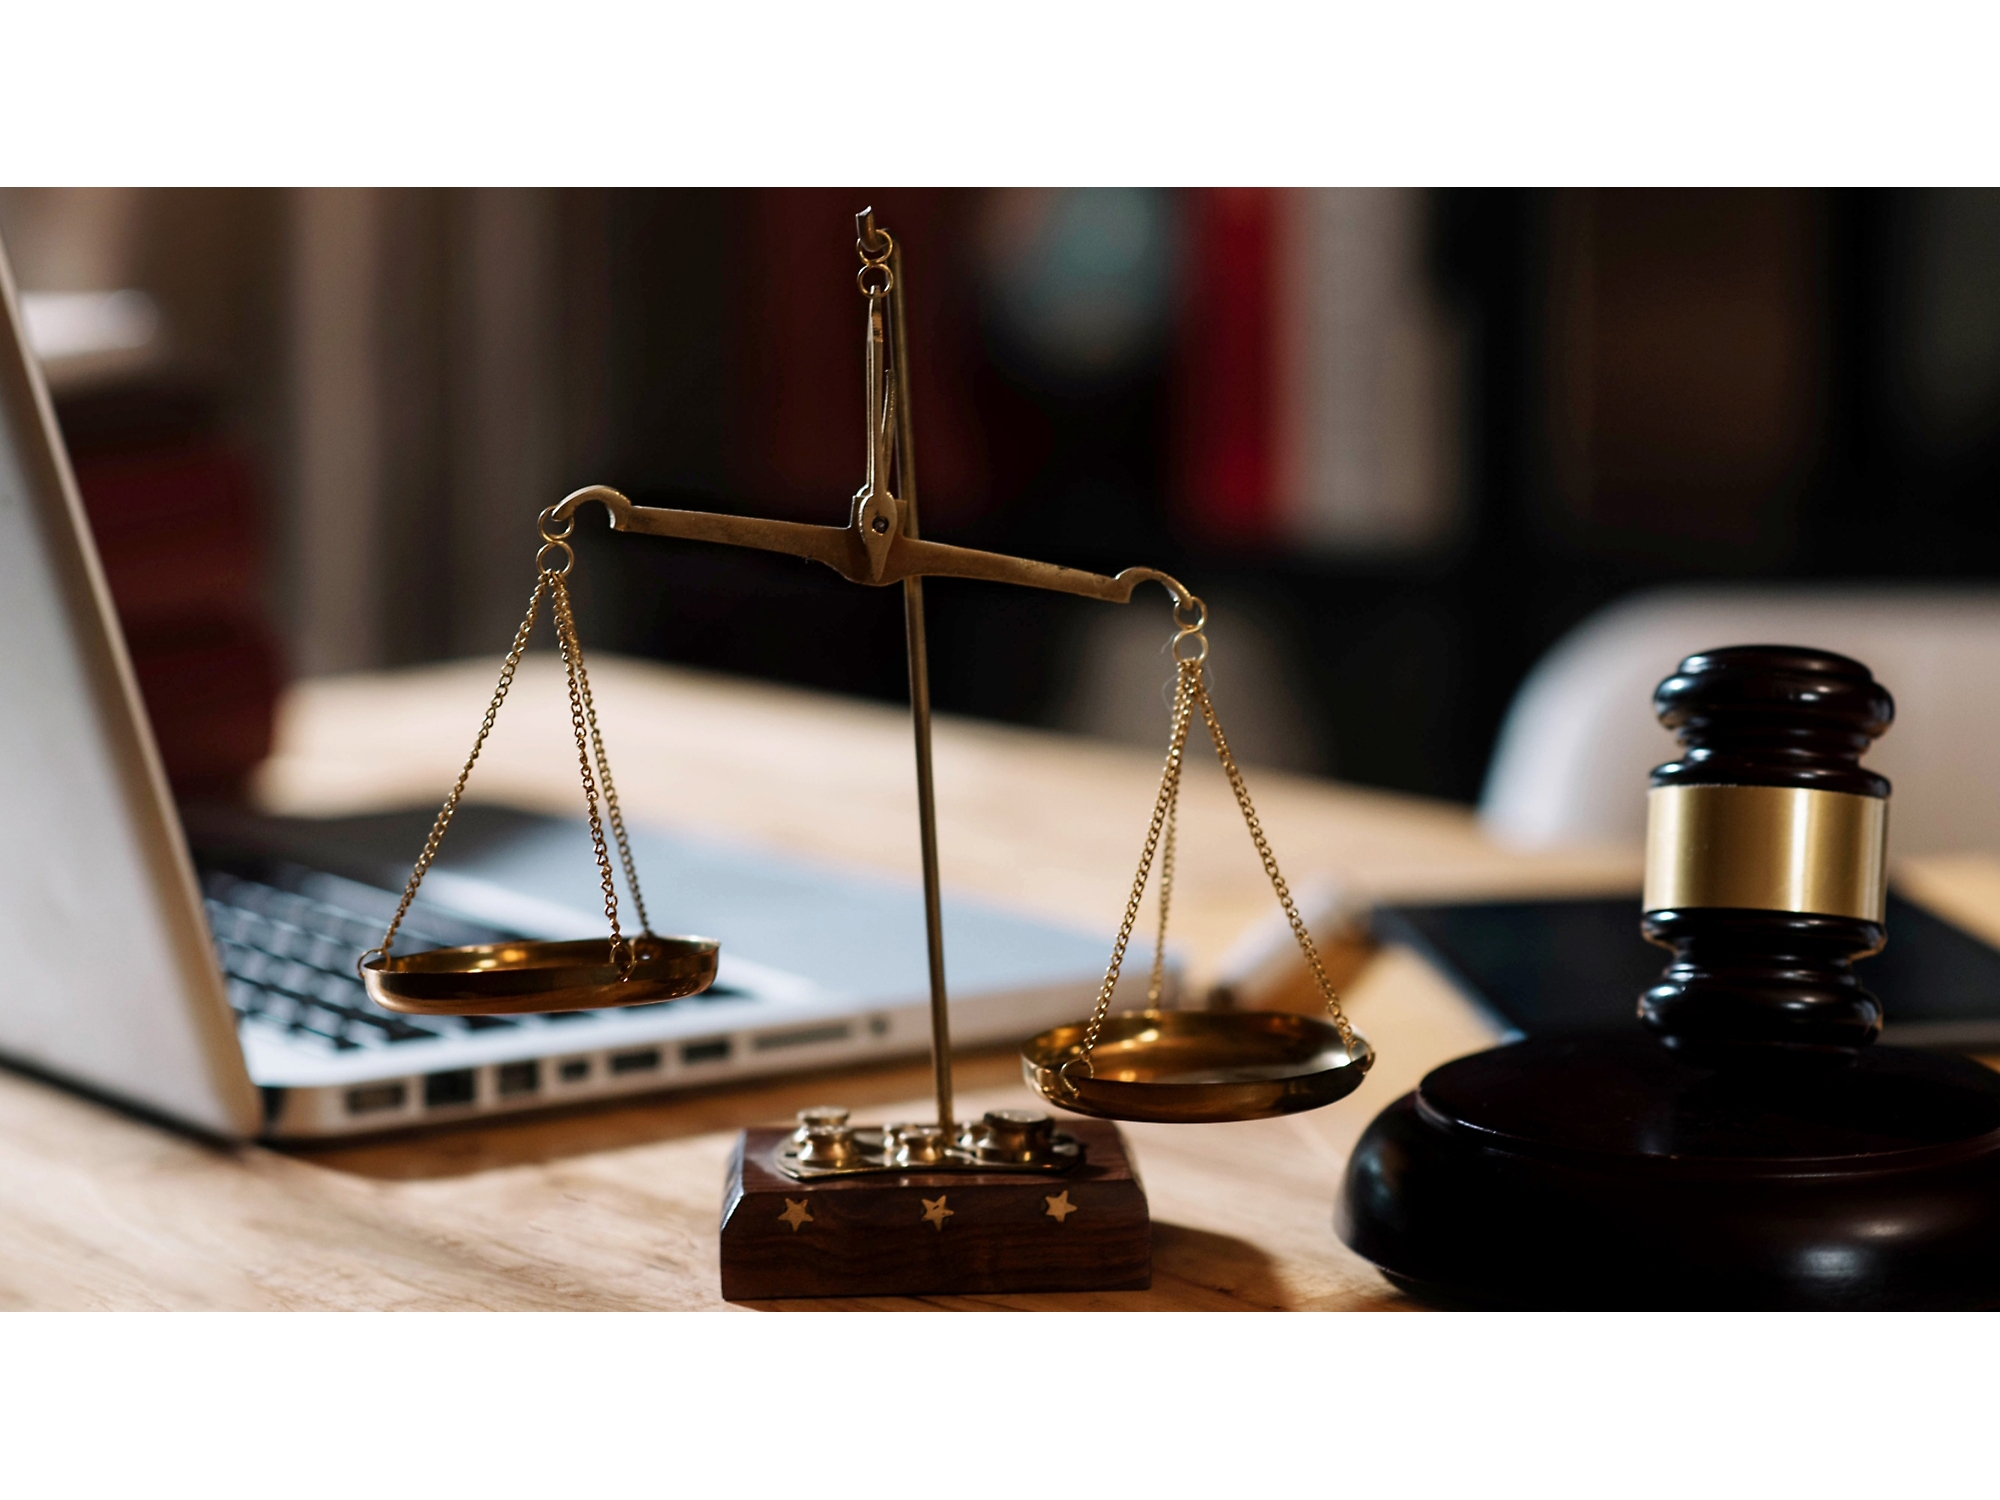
(1765,851)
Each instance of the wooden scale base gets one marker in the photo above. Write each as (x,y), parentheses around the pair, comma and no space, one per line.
(934,1233)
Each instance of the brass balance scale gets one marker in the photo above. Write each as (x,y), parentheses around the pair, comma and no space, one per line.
(1153,1065)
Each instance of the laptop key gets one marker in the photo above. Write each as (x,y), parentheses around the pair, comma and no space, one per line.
(245,963)
(388,1027)
(329,954)
(337,989)
(322,1020)
(246,997)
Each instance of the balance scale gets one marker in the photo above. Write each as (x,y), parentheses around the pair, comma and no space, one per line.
(826,1206)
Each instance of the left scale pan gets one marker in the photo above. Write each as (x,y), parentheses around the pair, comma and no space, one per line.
(528,976)
(521,977)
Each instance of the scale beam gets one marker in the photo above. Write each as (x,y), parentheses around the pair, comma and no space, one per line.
(857,555)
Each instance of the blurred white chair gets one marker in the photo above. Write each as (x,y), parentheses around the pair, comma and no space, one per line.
(1571,762)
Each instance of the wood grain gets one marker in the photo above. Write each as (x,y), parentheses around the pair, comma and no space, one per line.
(617,1206)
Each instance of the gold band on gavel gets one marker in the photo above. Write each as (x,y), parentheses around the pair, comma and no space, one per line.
(1766,848)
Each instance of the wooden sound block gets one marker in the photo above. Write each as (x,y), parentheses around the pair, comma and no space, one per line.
(1609,1171)
(933,1233)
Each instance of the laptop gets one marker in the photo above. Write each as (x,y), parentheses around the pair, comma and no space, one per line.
(201,969)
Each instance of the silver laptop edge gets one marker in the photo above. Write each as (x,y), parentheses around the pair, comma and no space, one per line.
(98,897)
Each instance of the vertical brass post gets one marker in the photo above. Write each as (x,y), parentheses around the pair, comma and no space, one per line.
(920,690)
(920,720)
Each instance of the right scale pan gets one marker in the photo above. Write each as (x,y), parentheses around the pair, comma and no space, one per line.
(1196,1067)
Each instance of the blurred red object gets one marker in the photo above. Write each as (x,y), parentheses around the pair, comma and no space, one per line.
(1319,383)
(1228,408)
(175,518)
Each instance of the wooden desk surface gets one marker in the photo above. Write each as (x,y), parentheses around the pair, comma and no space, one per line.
(615,1206)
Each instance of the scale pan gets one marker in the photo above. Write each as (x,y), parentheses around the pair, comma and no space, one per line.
(1196,1066)
(514,978)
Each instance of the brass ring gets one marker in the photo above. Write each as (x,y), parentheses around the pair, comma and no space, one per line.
(1062,1074)
(1198,638)
(888,279)
(569,557)
(371,953)
(888,248)
(1200,620)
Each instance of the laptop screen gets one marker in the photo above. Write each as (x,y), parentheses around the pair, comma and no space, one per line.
(106,975)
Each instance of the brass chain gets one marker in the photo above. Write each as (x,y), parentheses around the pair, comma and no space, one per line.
(450,808)
(550,583)
(1306,944)
(1191,694)
(876,260)
(617,817)
(1156,984)
(1163,804)
(622,952)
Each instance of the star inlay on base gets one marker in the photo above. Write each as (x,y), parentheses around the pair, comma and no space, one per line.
(915,1233)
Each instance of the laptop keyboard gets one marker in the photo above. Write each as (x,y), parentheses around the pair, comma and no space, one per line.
(288,938)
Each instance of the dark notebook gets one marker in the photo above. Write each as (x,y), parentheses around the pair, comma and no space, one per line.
(1581,965)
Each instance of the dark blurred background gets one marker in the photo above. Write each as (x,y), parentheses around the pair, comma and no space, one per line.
(1401,439)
